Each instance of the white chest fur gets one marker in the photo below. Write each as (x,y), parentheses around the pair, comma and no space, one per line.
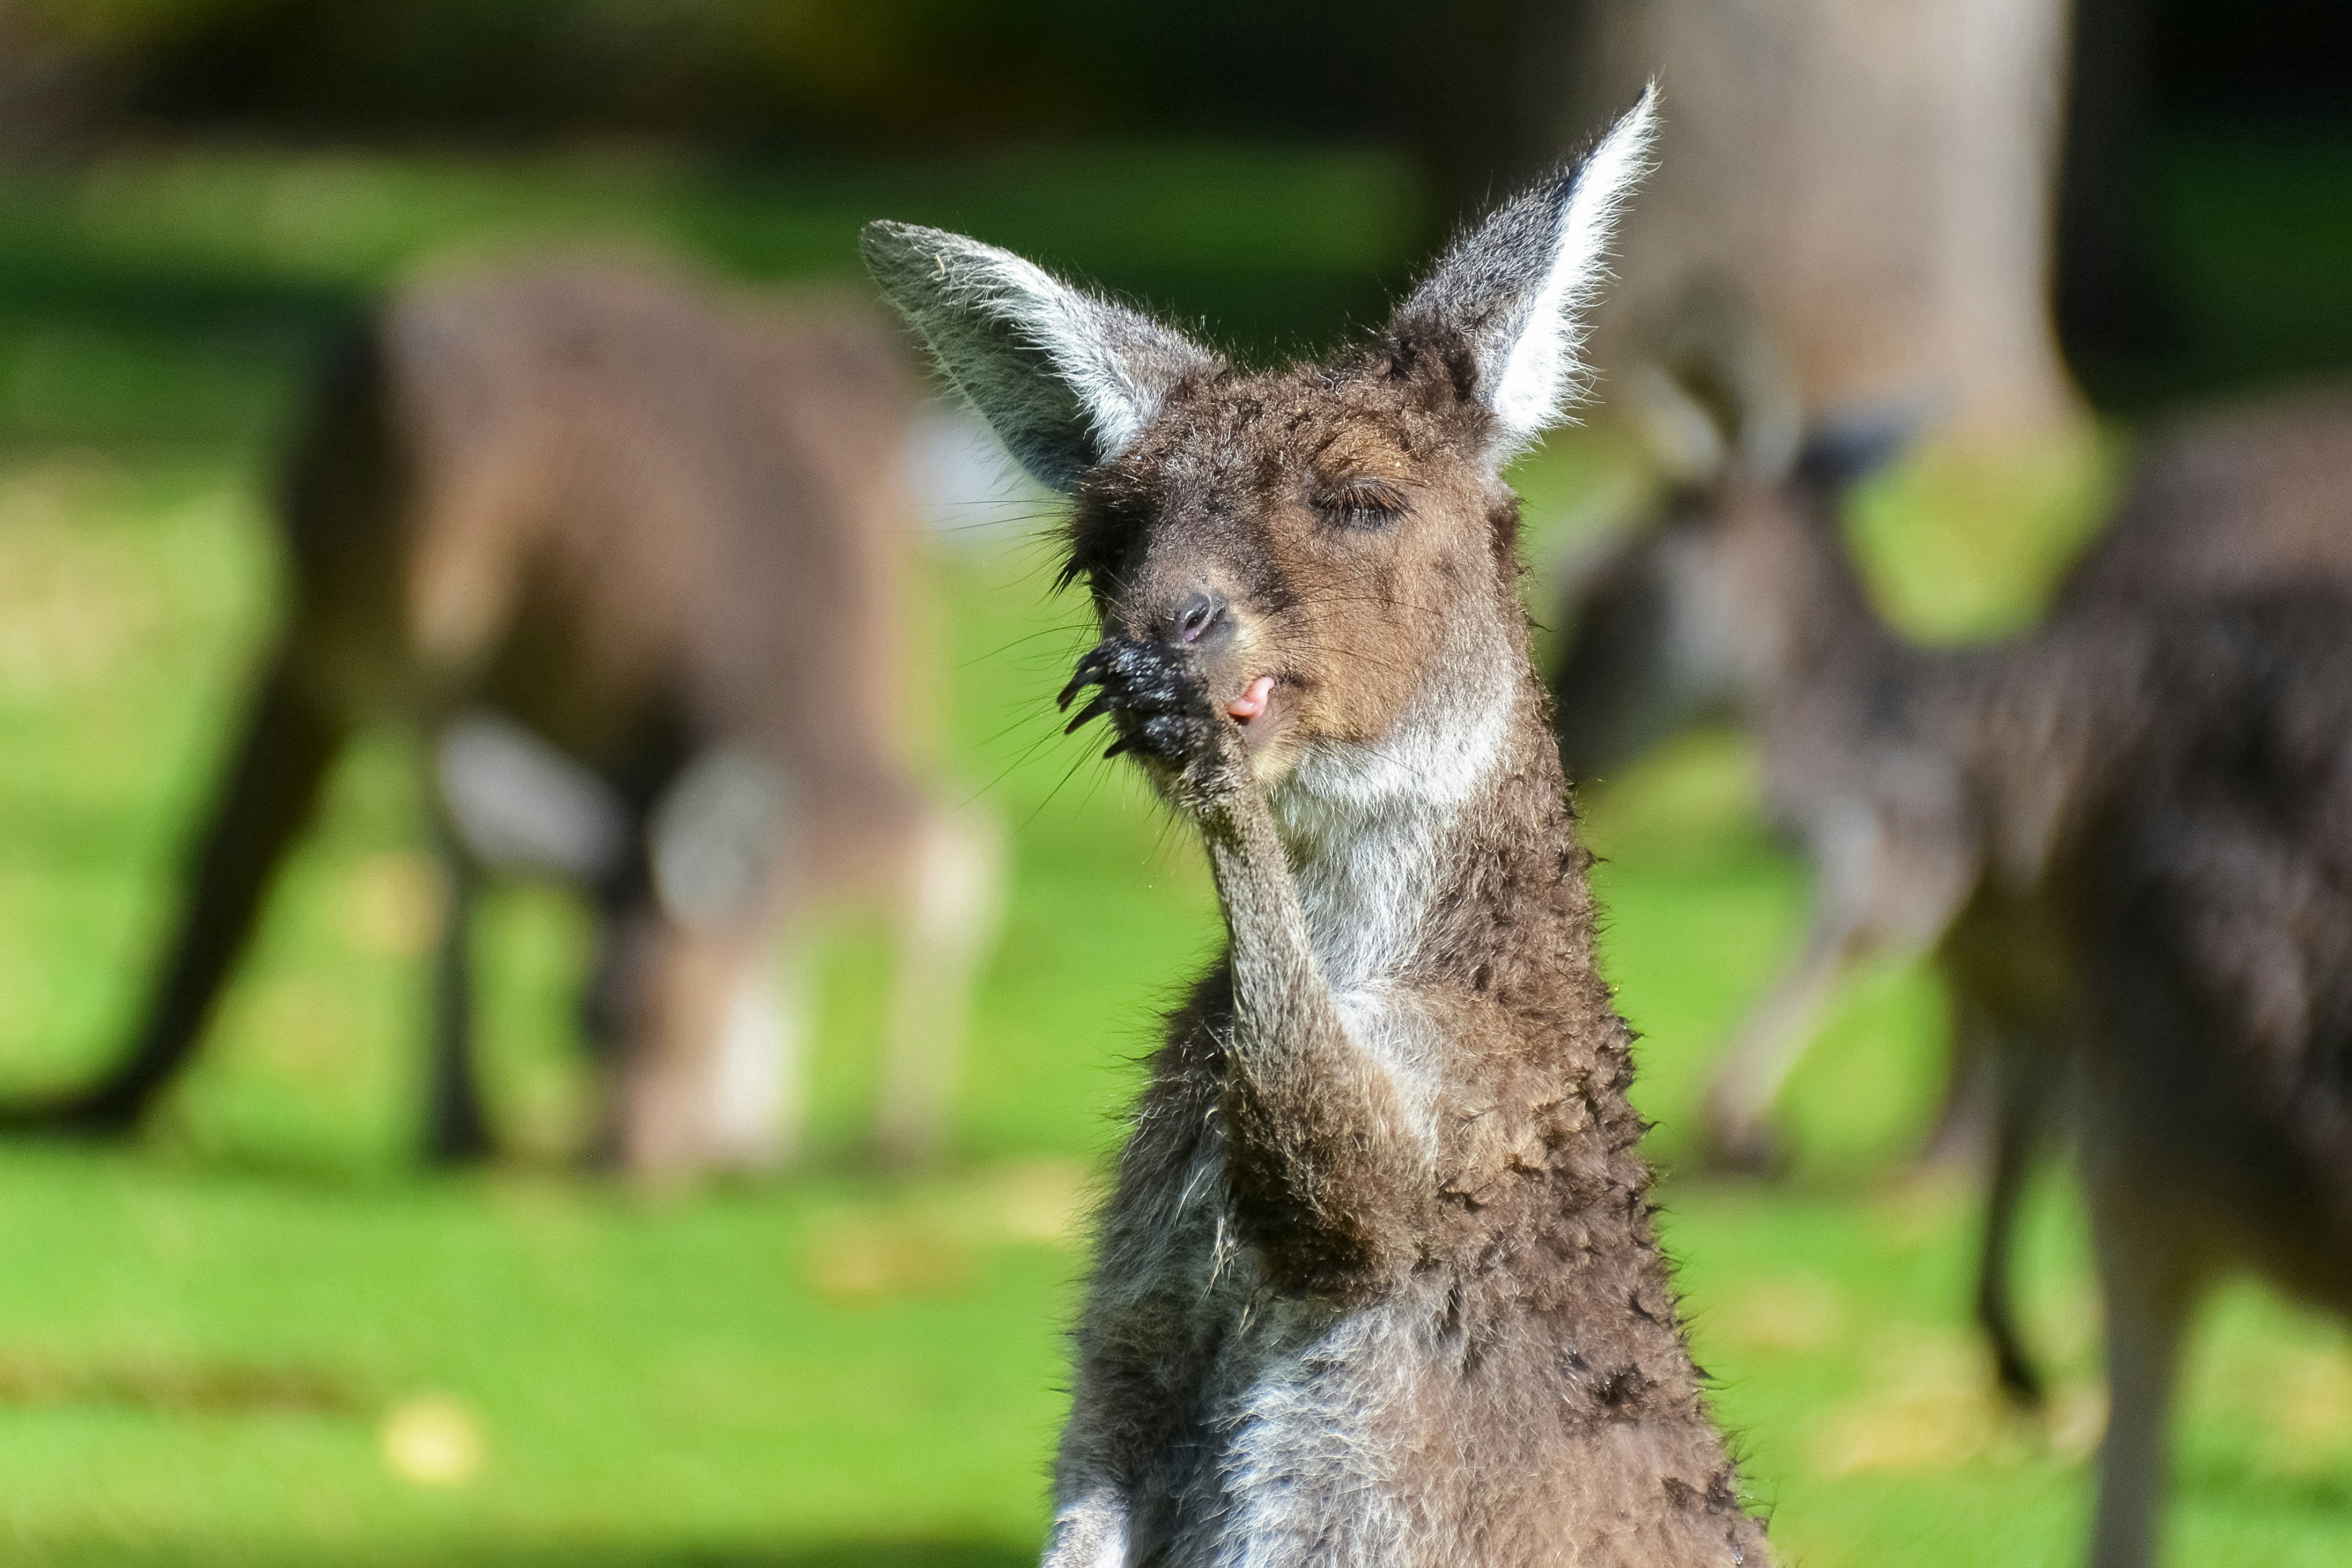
(1367,828)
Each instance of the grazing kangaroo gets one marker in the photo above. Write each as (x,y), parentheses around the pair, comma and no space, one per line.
(1379,1282)
(625,554)
(2123,837)
(2228,499)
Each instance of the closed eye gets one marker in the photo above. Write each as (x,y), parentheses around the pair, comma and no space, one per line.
(1363,504)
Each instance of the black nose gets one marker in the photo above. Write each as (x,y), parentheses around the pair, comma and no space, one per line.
(1202,616)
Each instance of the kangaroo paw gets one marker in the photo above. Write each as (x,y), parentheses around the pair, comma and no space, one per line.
(1163,715)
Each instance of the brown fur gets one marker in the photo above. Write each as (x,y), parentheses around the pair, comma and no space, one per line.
(2251,495)
(1520,1246)
(2210,900)
(652,529)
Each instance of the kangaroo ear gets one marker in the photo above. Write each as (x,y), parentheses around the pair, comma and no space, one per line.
(1686,437)
(1710,392)
(1067,379)
(1511,294)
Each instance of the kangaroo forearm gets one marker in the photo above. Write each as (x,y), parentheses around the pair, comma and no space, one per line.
(1326,1178)
(1323,1142)
(1281,997)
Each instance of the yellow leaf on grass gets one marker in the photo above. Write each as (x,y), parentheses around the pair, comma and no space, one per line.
(432,1440)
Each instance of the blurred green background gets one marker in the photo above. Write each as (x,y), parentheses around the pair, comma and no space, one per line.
(263,1336)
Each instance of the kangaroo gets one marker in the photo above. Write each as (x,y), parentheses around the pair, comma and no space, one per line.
(625,554)
(2227,500)
(2213,908)
(2121,837)
(2218,501)
(1379,1282)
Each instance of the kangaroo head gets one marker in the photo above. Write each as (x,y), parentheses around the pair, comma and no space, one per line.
(1657,621)
(1326,551)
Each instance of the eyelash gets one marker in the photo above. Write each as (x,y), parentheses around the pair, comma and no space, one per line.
(1362,504)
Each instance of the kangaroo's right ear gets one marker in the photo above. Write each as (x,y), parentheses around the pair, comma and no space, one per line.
(1507,304)
(1067,379)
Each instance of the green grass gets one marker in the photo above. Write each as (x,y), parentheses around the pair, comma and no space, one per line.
(210,1343)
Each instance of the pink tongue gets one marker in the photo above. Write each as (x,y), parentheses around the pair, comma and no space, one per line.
(1252,701)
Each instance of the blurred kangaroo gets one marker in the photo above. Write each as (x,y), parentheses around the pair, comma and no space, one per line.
(2243,497)
(1379,1284)
(2233,499)
(2122,837)
(2212,903)
(625,553)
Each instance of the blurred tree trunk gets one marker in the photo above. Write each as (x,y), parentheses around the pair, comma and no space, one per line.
(1875,175)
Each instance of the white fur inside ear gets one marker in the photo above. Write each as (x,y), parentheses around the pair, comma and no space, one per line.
(1067,379)
(1069,330)
(1540,370)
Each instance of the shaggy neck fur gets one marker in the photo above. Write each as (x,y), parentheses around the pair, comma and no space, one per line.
(1366,826)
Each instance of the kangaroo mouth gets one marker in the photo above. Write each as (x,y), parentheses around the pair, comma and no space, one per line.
(1254,700)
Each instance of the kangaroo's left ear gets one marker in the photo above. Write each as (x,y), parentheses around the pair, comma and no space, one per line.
(1069,379)
(1510,296)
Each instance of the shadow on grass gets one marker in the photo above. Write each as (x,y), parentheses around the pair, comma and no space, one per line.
(403,1172)
(29,1148)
